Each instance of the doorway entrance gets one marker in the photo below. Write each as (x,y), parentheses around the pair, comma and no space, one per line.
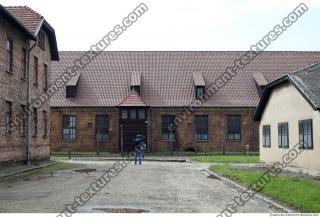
(133,121)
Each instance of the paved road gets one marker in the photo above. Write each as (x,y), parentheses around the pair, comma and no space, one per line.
(153,186)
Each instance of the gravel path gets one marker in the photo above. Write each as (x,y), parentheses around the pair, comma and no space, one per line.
(153,186)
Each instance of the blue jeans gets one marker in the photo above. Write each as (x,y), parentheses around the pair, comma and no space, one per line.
(138,155)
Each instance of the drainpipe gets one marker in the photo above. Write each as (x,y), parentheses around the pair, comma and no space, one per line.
(254,133)
(29,83)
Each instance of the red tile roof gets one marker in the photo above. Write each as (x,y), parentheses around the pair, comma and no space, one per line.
(167,76)
(132,99)
(135,79)
(28,17)
(198,79)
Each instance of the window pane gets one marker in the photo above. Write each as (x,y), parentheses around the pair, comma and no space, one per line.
(133,114)
(69,127)
(234,127)
(124,114)
(166,122)
(102,127)
(201,123)
(142,114)
(305,133)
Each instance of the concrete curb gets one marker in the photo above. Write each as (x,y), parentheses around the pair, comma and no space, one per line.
(258,195)
(29,169)
(118,159)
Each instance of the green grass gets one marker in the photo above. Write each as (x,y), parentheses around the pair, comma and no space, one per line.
(59,158)
(300,193)
(35,172)
(234,159)
(80,153)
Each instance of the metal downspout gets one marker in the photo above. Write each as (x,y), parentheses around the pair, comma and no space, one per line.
(29,110)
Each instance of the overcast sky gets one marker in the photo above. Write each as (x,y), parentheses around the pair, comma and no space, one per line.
(179,24)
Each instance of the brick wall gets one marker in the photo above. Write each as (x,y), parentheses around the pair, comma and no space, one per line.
(217,117)
(14,89)
(85,125)
(217,130)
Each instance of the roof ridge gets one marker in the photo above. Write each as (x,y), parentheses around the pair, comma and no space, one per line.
(126,97)
(28,8)
(129,94)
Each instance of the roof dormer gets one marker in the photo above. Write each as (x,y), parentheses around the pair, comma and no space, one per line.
(135,83)
(199,85)
(260,82)
(72,86)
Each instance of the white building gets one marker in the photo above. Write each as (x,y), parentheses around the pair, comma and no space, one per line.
(289,113)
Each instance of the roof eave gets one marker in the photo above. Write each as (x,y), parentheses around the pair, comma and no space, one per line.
(265,96)
(16,23)
(52,39)
(268,90)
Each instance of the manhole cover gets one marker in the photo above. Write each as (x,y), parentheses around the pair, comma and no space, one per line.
(211,176)
(120,210)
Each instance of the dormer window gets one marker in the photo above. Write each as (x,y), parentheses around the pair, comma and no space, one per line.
(260,82)
(199,92)
(136,88)
(72,86)
(41,39)
(199,85)
(135,83)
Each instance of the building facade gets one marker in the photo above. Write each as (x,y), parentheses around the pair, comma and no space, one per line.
(28,46)
(289,116)
(157,94)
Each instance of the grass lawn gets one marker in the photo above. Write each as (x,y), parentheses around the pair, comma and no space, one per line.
(40,171)
(301,193)
(80,153)
(59,158)
(235,159)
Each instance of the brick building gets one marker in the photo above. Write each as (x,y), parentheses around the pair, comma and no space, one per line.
(121,94)
(28,45)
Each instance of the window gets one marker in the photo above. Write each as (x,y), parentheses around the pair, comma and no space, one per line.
(136,88)
(102,127)
(8,116)
(35,122)
(142,114)
(45,77)
(133,113)
(23,129)
(69,127)
(283,135)
(266,138)
(35,71)
(41,39)
(168,127)
(24,63)
(9,49)
(305,134)
(201,122)
(234,127)
(124,114)
(45,124)
(199,92)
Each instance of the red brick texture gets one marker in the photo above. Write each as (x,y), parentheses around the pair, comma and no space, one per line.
(14,89)
(217,123)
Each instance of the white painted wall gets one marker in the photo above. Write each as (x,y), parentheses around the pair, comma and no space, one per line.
(286,104)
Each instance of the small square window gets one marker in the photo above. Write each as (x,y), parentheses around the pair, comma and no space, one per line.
(142,114)
(133,114)
(124,114)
